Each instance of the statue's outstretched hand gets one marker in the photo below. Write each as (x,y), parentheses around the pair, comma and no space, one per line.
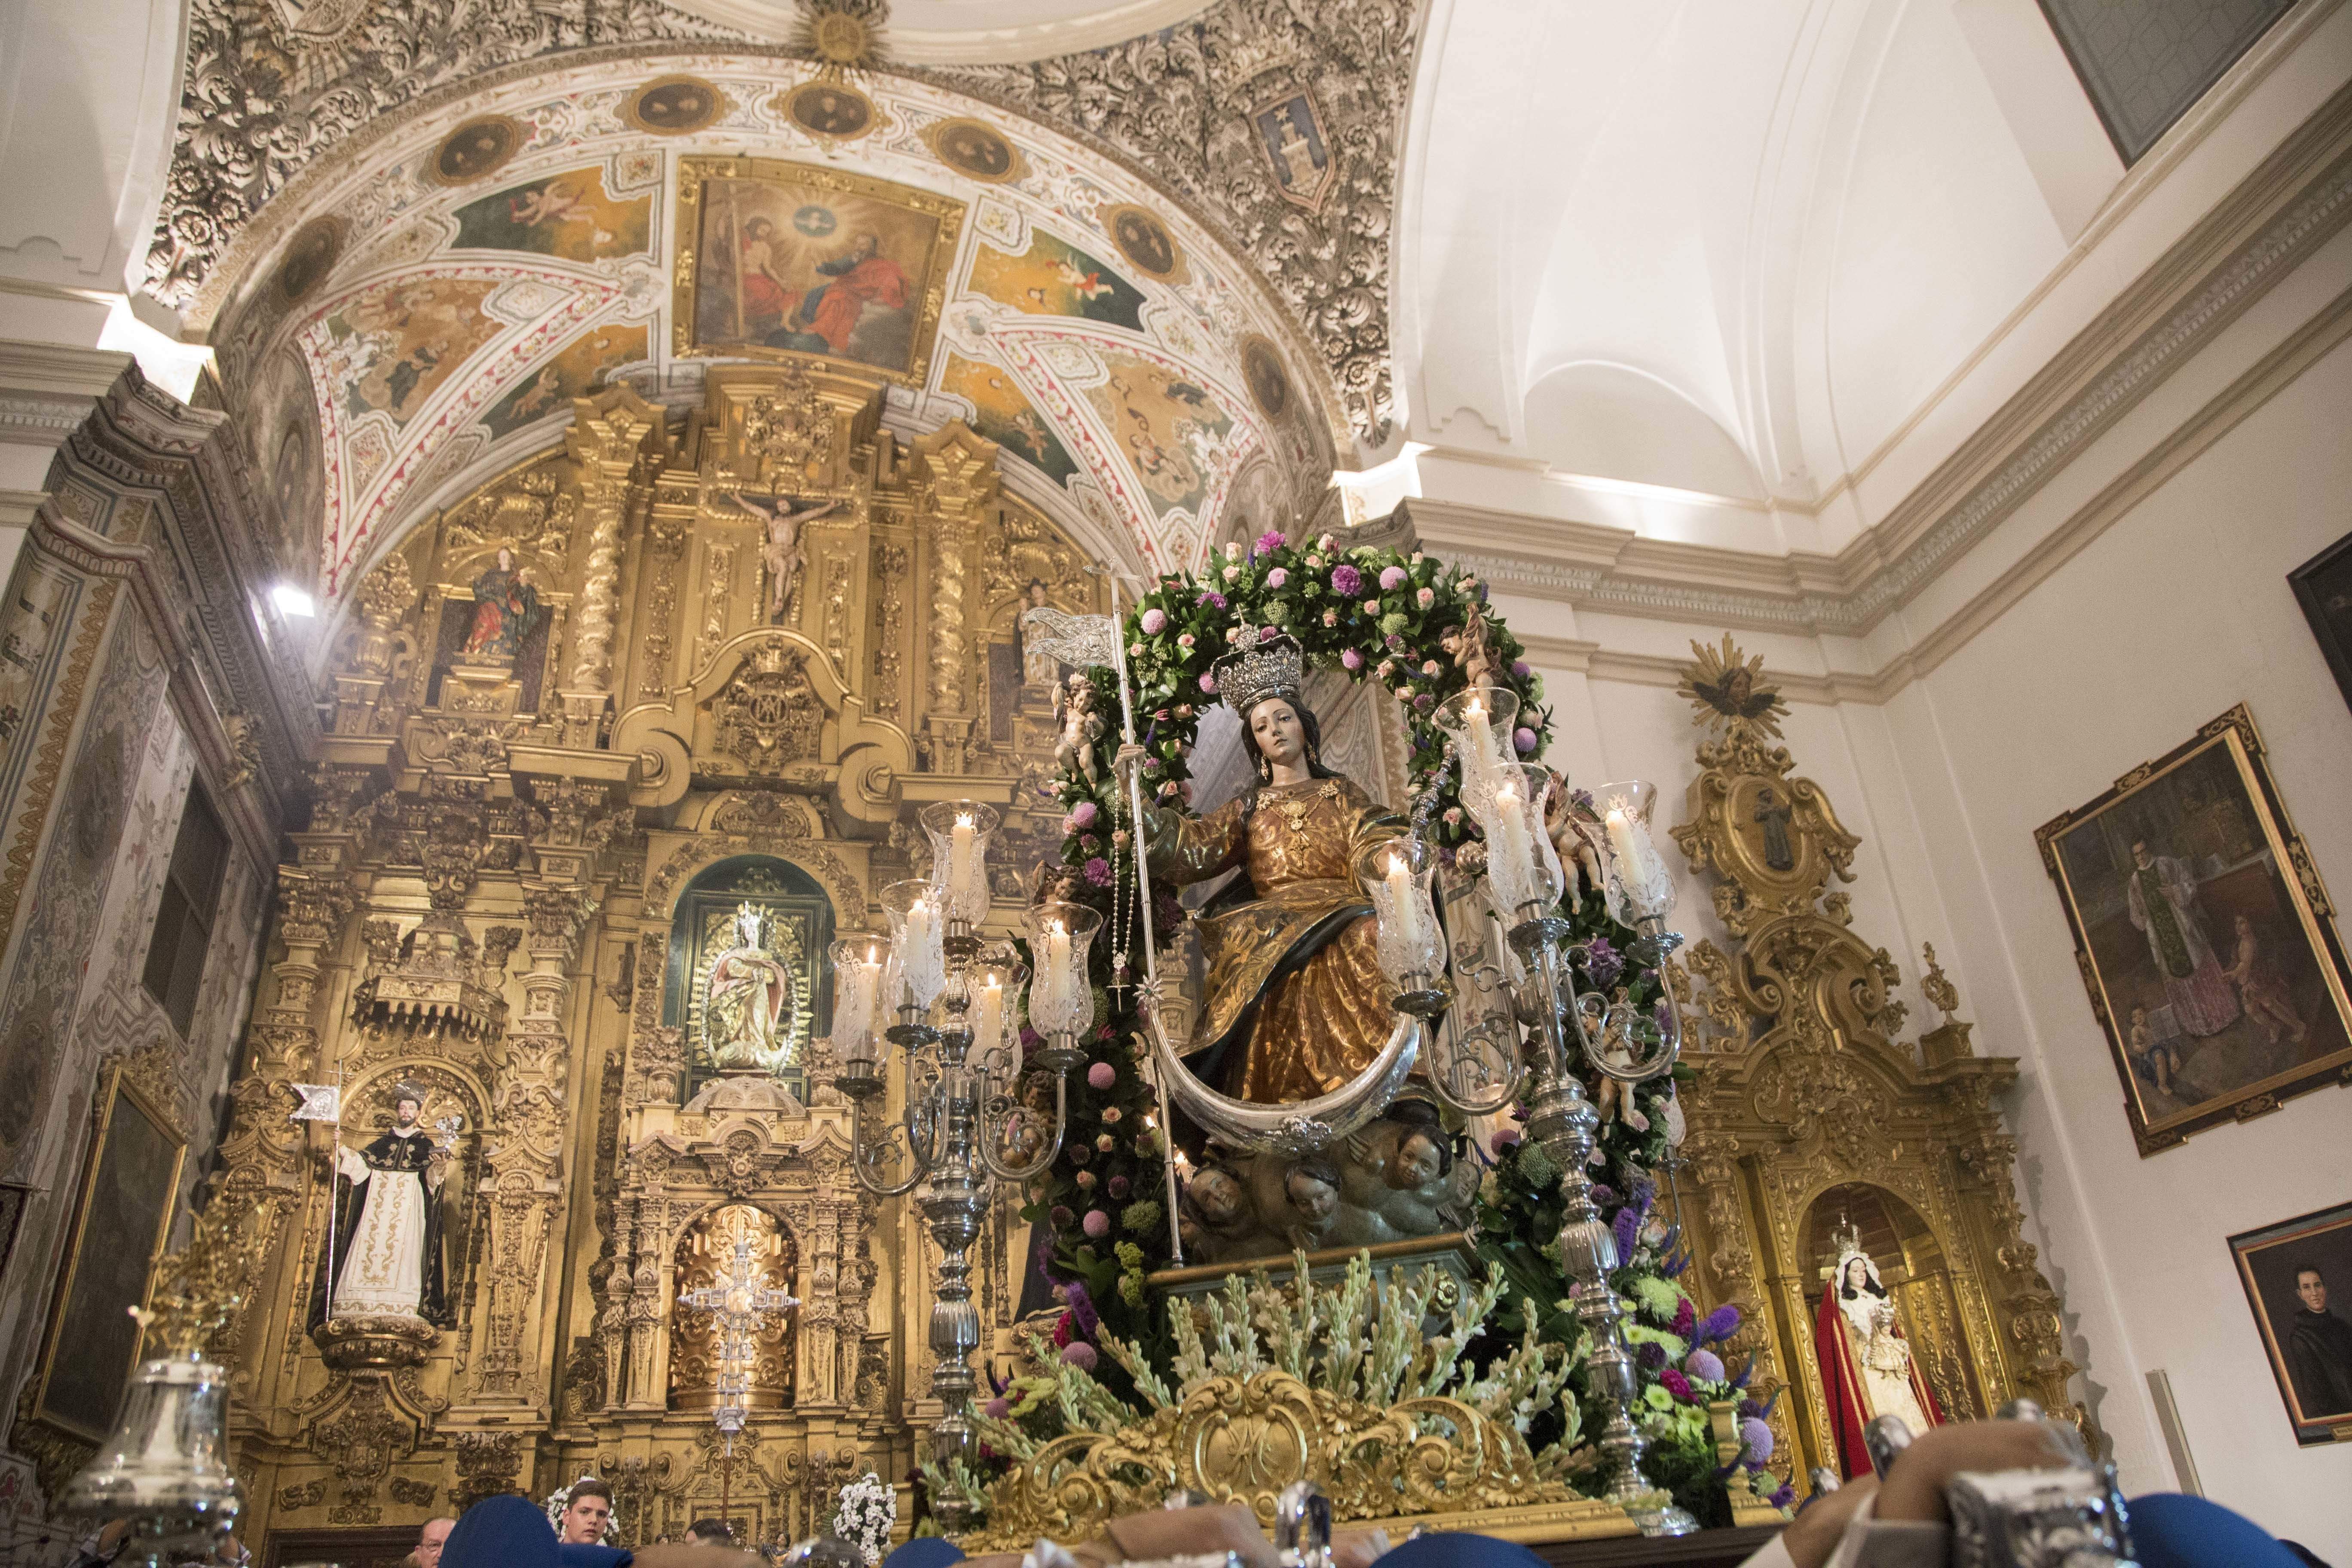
(1131,757)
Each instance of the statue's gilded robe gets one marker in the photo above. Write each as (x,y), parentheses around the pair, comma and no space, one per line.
(1295,987)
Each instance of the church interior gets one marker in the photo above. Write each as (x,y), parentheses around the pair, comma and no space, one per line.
(846,771)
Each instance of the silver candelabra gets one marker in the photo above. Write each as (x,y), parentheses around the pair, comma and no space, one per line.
(968,1120)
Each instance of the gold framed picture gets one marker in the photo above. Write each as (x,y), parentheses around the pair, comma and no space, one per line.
(122,1217)
(2204,936)
(795,262)
(2299,1280)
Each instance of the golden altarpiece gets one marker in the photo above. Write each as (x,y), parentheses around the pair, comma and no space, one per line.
(642,681)
(1808,1115)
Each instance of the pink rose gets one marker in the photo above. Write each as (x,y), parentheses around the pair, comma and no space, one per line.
(1391,579)
(1429,667)
(1272,540)
(1105,1143)
(1427,596)
(1208,683)
(1086,1181)
(1277,577)
(1097,1224)
(1111,1116)
(1155,621)
(1351,659)
(1330,618)
(1233,573)
(1102,1074)
(1184,640)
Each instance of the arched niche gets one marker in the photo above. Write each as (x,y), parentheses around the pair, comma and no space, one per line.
(800,926)
(703,1259)
(1917,1274)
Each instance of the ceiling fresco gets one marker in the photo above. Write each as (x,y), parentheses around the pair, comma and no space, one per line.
(426,312)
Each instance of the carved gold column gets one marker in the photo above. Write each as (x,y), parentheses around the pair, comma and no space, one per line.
(605,442)
(956,482)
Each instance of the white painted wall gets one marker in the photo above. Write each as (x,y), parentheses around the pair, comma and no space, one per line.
(2176,611)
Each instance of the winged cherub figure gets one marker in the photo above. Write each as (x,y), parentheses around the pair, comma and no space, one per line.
(1081,727)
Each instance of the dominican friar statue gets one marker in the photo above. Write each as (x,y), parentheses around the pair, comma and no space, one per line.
(1295,1004)
(747,1015)
(1867,1368)
(386,1260)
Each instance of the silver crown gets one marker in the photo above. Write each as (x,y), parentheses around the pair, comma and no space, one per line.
(1276,667)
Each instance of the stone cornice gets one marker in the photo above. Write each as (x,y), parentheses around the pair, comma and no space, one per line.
(2299,197)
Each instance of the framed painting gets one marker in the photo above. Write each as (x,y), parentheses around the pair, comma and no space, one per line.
(121,1219)
(2204,936)
(781,260)
(2299,1280)
(2323,586)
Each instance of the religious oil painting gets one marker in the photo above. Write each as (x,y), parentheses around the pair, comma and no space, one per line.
(2204,936)
(975,149)
(1003,413)
(1054,277)
(2323,585)
(793,260)
(310,256)
(580,368)
(1145,241)
(675,105)
(476,150)
(2299,1280)
(125,1208)
(1170,428)
(567,214)
(397,344)
(831,111)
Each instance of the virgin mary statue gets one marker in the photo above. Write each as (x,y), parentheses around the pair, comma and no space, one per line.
(1867,1369)
(748,1013)
(1296,1002)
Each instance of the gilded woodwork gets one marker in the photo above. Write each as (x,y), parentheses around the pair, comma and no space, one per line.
(483,903)
(1808,1088)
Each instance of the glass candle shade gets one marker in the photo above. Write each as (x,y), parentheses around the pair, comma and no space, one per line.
(995,1002)
(1396,876)
(959,831)
(858,968)
(1480,721)
(1522,867)
(1061,994)
(1639,886)
(918,965)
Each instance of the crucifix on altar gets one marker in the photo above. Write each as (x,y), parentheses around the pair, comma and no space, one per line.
(740,1307)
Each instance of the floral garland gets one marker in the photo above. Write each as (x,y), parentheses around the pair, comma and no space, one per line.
(868,1511)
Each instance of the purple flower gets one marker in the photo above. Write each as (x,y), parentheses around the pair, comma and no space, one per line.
(1786,1495)
(1102,1074)
(1078,1354)
(996,1409)
(1267,634)
(1705,1365)
(1060,1217)
(1212,598)
(1117,1187)
(1503,1138)
(1351,659)
(1662,1015)
(1520,669)
(1650,1353)
(1155,621)
(1209,682)
(1425,701)
(1392,579)
(1272,540)
(1678,1385)
(1525,740)
(1082,816)
(1083,1315)
(1099,871)
(1756,1436)
(1644,1194)
(1346,581)
(1628,1227)
(1603,962)
(1685,1318)
(1097,1224)
(1721,1324)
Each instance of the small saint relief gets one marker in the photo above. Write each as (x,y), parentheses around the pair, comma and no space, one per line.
(506,610)
(1867,1365)
(387,1257)
(749,1009)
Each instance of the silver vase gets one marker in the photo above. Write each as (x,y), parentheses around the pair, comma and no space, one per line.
(165,1467)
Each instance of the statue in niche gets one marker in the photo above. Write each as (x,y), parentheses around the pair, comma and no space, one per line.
(1040,664)
(387,1255)
(1397,1179)
(1867,1368)
(506,608)
(1773,816)
(782,553)
(747,1012)
(1295,1004)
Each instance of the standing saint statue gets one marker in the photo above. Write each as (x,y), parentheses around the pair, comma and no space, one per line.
(1867,1368)
(782,553)
(506,608)
(387,1260)
(747,1013)
(1296,1002)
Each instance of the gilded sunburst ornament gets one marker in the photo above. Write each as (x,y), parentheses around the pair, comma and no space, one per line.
(843,35)
(1731,692)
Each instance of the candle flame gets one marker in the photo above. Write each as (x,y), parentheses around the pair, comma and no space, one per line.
(964,820)
(1398,863)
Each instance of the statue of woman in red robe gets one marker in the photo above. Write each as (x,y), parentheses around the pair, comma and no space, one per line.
(1867,1368)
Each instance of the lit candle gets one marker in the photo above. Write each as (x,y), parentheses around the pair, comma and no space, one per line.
(1479,764)
(990,1028)
(924,965)
(1404,905)
(1516,851)
(961,881)
(1631,848)
(1058,964)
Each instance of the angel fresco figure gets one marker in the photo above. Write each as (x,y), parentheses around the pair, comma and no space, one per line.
(747,1015)
(506,609)
(387,1255)
(782,553)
